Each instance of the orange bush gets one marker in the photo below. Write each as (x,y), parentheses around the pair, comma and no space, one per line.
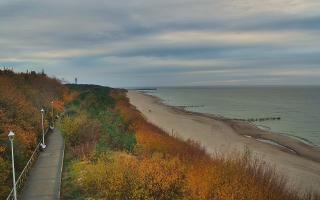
(69,96)
(22,95)
(205,177)
(166,167)
(58,105)
(122,176)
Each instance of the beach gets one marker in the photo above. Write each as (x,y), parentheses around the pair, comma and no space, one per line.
(297,161)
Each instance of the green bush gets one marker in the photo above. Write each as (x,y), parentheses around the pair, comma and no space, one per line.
(94,108)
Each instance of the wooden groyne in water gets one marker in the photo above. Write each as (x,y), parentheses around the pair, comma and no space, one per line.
(190,106)
(259,119)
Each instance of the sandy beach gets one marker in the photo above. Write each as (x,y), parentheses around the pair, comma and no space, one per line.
(297,161)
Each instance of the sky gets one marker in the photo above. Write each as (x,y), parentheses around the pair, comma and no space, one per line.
(137,43)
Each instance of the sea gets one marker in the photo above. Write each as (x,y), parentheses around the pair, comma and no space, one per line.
(290,110)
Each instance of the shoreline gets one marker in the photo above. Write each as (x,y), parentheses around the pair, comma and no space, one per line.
(294,159)
(293,144)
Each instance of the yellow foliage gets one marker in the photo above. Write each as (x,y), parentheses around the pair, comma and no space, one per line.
(122,176)
(2,149)
(70,126)
(4,175)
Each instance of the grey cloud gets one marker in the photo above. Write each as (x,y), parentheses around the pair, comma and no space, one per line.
(285,23)
(115,42)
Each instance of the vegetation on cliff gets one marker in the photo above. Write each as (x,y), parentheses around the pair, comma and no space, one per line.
(114,153)
(22,95)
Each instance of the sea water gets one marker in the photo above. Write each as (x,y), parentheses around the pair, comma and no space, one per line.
(297,107)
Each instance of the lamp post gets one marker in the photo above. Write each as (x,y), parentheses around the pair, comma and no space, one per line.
(11,137)
(52,127)
(43,145)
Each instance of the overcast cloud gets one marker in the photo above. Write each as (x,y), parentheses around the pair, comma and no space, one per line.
(127,43)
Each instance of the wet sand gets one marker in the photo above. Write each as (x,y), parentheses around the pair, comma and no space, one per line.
(297,161)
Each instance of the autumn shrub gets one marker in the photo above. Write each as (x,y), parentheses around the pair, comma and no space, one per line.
(4,177)
(120,135)
(69,190)
(92,98)
(237,176)
(122,176)
(94,102)
(81,134)
(144,162)
(22,95)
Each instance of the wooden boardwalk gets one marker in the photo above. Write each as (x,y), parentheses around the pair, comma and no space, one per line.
(45,177)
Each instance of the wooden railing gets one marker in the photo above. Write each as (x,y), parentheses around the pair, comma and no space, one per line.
(25,172)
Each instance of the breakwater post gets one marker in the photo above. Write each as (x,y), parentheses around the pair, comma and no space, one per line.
(258,119)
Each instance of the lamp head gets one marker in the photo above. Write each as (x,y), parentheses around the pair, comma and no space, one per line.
(42,110)
(11,135)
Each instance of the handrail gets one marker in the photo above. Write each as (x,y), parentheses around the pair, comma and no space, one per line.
(61,170)
(24,174)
